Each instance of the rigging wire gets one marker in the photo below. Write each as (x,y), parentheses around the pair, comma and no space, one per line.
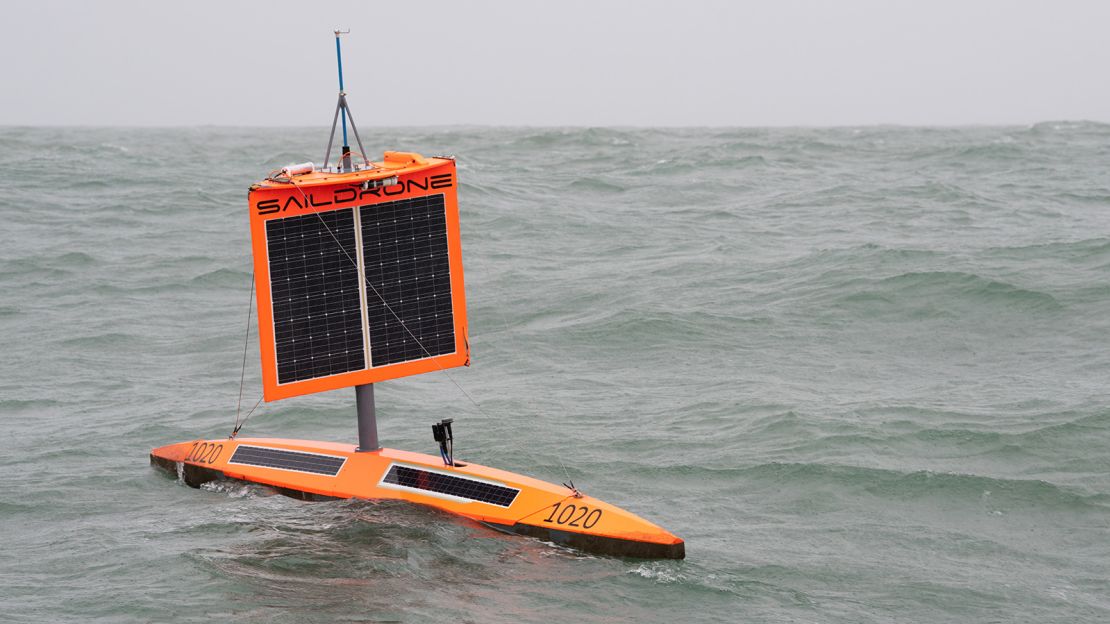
(243,372)
(239,426)
(417,340)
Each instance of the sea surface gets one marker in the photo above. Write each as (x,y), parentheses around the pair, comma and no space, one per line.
(863,372)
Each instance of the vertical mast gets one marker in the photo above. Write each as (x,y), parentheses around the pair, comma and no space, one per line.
(345,159)
(367,419)
(364,393)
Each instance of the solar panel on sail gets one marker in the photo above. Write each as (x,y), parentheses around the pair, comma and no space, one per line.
(358,282)
(408,275)
(314,285)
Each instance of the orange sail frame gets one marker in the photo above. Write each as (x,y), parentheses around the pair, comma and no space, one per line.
(401,175)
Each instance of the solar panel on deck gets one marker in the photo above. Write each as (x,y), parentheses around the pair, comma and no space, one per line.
(314,286)
(404,247)
(282,459)
(461,487)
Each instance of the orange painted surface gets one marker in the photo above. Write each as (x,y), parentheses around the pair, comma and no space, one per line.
(322,192)
(538,504)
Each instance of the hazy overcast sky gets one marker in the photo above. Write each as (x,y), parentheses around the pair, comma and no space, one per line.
(643,63)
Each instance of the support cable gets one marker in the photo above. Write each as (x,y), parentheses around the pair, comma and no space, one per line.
(358,139)
(331,137)
(243,371)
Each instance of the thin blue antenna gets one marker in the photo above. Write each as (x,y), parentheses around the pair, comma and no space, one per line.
(339,58)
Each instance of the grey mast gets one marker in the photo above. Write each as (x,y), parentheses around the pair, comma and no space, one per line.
(364,393)
(367,419)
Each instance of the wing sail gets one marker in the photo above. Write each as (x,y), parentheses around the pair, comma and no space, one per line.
(358,276)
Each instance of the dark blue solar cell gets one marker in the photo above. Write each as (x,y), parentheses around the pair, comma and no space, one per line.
(455,486)
(408,274)
(287,460)
(314,288)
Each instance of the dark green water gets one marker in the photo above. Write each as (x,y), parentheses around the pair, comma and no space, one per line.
(863,372)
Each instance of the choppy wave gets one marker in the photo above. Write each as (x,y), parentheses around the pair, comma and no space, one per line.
(863,371)
(950,287)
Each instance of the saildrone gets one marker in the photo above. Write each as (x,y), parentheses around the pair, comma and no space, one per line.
(358,279)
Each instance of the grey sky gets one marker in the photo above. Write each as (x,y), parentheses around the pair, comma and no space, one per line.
(556,63)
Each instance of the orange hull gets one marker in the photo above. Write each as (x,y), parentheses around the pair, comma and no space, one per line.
(501,500)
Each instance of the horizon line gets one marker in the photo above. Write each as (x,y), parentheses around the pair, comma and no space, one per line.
(567,126)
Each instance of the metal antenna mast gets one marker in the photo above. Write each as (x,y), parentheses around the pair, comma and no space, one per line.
(343,111)
(364,393)
(345,162)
